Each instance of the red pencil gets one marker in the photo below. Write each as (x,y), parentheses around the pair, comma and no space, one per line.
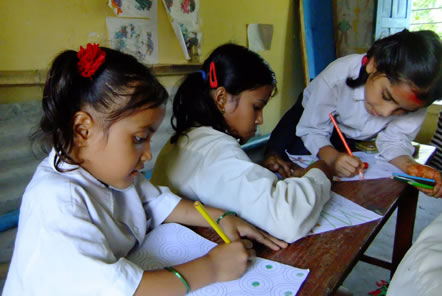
(344,141)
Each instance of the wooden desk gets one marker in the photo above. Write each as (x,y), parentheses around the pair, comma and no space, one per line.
(331,256)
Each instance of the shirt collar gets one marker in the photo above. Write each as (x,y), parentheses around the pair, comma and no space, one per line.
(73,169)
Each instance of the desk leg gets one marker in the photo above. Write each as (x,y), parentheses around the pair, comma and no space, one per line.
(403,236)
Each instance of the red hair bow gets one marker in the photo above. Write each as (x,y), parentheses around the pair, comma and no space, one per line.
(90,59)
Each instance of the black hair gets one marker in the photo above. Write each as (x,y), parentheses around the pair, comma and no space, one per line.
(119,87)
(237,69)
(410,57)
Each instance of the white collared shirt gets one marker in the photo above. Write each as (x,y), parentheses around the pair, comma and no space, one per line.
(210,166)
(74,233)
(328,93)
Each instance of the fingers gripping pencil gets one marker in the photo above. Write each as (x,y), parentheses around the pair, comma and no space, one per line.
(344,141)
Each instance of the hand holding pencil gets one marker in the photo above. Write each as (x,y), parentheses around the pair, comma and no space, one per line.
(346,164)
(420,174)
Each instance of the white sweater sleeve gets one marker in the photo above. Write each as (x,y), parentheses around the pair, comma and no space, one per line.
(287,209)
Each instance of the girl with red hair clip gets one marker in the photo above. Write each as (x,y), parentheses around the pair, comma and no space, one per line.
(217,109)
(382,94)
(87,206)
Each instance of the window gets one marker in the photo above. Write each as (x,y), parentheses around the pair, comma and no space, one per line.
(426,15)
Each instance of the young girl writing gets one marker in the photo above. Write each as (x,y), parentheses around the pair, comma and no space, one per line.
(87,206)
(214,111)
(383,93)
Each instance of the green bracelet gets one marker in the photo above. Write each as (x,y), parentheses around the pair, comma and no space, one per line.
(225,214)
(178,275)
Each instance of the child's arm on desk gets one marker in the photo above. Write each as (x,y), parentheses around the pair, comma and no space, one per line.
(411,167)
(225,262)
(234,227)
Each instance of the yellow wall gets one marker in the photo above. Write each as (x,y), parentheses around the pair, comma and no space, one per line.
(34,32)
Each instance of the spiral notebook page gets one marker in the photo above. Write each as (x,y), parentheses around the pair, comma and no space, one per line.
(172,244)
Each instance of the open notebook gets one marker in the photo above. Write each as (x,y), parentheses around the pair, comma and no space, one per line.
(172,244)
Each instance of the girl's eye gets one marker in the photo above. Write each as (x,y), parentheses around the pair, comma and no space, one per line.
(139,140)
(385,97)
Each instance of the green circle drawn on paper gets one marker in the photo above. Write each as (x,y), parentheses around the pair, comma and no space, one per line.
(255,284)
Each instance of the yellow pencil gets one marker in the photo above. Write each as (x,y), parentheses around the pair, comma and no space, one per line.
(212,223)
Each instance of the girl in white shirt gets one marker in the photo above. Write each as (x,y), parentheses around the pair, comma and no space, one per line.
(382,94)
(87,206)
(214,111)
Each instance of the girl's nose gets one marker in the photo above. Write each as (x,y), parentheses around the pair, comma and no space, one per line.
(388,110)
(147,154)
(259,119)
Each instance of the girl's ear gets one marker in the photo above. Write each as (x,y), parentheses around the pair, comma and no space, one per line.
(82,128)
(220,98)
(371,66)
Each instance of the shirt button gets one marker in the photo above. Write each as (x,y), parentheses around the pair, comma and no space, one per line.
(135,229)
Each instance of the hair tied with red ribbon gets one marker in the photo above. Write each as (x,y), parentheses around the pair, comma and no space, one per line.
(212,76)
(364,61)
(90,59)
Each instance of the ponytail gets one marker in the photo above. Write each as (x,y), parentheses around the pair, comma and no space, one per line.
(193,106)
(60,102)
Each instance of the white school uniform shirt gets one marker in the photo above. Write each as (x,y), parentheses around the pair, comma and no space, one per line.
(420,271)
(210,166)
(328,93)
(74,233)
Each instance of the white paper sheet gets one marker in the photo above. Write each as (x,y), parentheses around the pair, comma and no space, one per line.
(172,244)
(340,212)
(377,167)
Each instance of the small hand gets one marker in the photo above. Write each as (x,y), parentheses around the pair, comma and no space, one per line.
(323,166)
(347,166)
(428,172)
(286,169)
(229,261)
(235,228)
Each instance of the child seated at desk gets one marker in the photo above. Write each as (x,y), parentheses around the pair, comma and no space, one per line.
(383,93)
(420,271)
(87,206)
(214,111)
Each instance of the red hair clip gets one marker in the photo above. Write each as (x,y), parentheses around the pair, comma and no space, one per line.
(364,61)
(90,59)
(212,76)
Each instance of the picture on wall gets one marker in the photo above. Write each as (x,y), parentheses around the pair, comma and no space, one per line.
(184,18)
(134,8)
(138,37)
